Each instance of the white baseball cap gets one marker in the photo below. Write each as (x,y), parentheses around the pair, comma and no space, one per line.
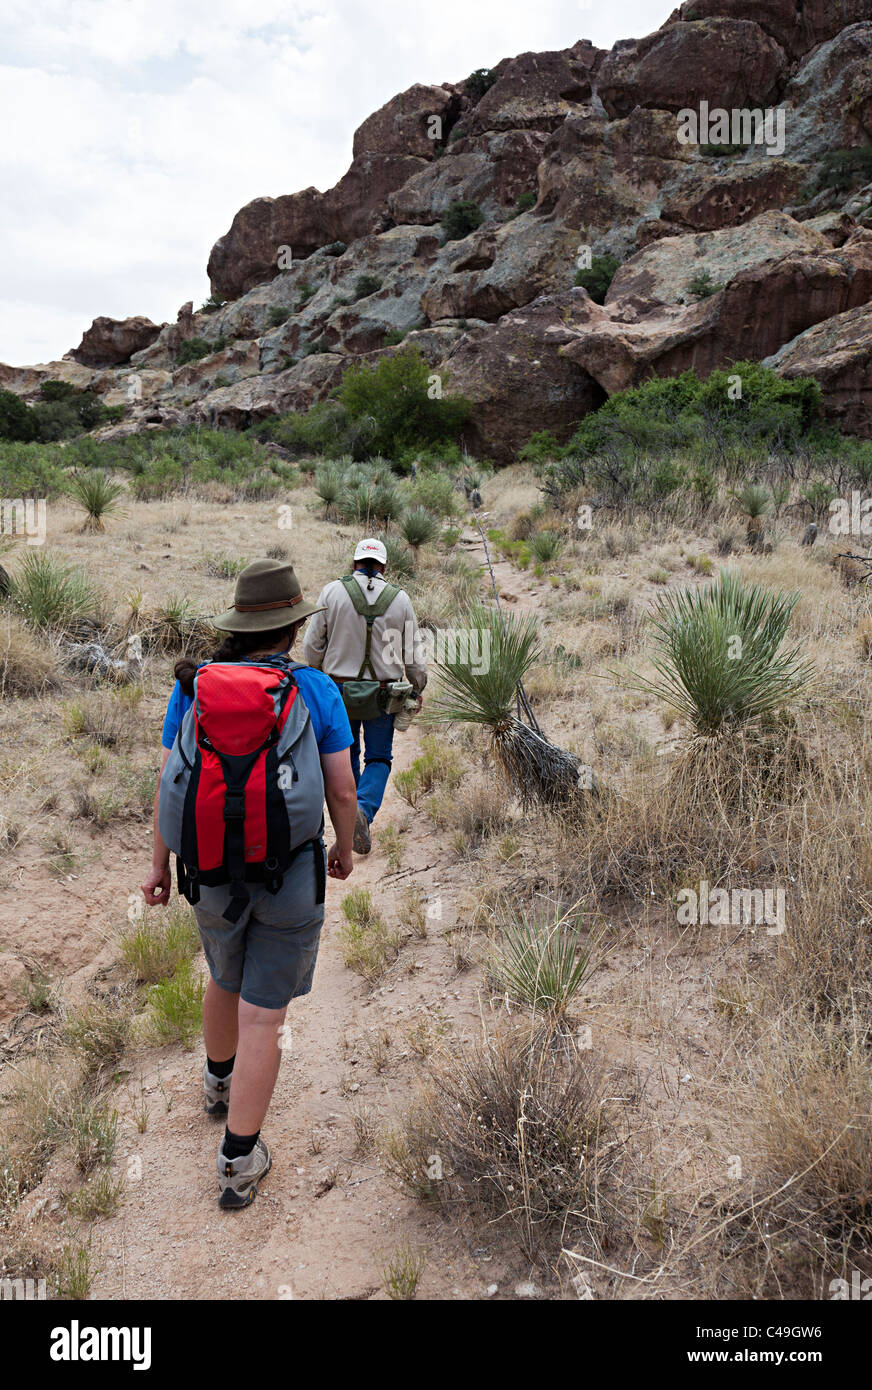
(371,549)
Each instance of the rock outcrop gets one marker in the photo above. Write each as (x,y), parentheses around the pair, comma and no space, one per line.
(109,342)
(725,251)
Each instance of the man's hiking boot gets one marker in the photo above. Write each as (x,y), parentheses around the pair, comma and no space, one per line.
(217,1090)
(362,839)
(238,1177)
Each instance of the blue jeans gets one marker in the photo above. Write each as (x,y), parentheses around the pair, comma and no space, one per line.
(378,742)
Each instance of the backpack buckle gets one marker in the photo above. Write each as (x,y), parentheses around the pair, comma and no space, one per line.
(234,806)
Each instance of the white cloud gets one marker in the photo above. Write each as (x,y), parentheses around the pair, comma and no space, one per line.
(135,129)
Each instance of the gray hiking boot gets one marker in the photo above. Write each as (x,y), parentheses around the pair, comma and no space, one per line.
(238,1177)
(217,1091)
(362,841)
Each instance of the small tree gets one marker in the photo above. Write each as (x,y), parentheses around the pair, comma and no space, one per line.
(460,218)
(16,420)
(597,280)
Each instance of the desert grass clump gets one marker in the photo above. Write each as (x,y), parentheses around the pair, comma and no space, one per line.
(97,1033)
(157,943)
(437,766)
(99,1196)
(516,1130)
(542,964)
(27,666)
(99,497)
(485,691)
(175,1006)
(369,946)
(177,627)
(401,1271)
(54,596)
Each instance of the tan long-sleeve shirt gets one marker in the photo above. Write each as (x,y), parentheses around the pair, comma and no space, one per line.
(335,639)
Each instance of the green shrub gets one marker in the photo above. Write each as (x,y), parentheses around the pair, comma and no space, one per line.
(597,280)
(16,419)
(479,82)
(526,202)
(394,395)
(195,349)
(702,286)
(365,285)
(277,316)
(460,218)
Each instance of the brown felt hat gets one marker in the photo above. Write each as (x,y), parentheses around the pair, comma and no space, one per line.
(268,596)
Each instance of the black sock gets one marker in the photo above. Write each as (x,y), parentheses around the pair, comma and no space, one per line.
(220,1069)
(239,1145)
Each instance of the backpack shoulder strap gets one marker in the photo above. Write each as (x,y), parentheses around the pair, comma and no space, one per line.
(369,612)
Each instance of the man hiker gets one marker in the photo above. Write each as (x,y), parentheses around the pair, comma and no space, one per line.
(365,636)
(252,743)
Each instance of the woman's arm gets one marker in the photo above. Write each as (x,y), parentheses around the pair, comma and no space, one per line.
(341,796)
(156,887)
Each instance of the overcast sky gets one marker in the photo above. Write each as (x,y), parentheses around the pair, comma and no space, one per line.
(135,129)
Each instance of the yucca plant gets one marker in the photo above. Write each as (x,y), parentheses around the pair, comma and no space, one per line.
(546,545)
(754,502)
(54,595)
(480,686)
(401,562)
(356,502)
(542,964)
(419,527)
(98,495)
(386,502)
(720,655)
(328,485)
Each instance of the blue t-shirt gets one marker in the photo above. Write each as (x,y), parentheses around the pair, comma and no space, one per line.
(322,700)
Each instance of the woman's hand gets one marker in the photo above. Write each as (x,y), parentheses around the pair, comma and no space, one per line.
(339,864)
(156,888)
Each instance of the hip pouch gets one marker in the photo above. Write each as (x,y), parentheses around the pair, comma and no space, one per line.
(242,791)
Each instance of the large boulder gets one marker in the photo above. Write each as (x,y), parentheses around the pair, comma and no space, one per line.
(828,102)
(491,170)
(724,193)
(26,381)
(662,272)
(838,354)
(796,24)
(763,307)
(254,398)
(109,342)
(500,268)
(537,91)
(404,124)
(517,380)
(729,63)
(250,252)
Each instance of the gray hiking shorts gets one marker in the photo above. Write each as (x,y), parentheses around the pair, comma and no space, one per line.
(269,955)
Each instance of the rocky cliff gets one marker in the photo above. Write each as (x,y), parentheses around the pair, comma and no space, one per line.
(568,156)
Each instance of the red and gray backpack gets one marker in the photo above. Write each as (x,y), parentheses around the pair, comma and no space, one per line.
(242,791)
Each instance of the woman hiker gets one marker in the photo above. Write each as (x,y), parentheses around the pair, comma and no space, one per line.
(366,626)
(252,744)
